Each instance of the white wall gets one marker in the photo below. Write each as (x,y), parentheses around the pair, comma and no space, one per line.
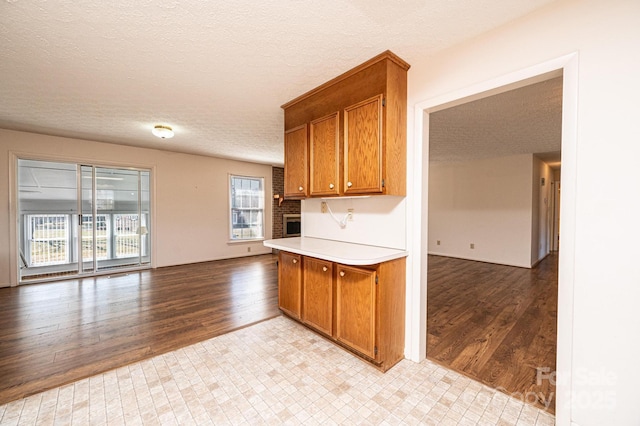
(541,213)
(377,220)
(601,300)
(485,202)
(190,195)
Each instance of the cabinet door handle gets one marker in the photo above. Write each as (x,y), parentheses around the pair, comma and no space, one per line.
(330,186)
(349,184)
(342,273)
(295,260)
(324,269)
(300,188)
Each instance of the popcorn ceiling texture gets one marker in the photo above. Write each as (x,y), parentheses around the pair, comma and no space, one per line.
(217,72)
(521,121)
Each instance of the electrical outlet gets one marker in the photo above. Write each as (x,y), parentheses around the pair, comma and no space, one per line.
(438,242)
(350,213)
(472,246)
(323,207)
(248,249)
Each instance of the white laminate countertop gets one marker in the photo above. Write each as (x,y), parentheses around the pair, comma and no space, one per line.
(336,251)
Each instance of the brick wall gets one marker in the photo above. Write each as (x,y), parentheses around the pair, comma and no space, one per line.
(287,207)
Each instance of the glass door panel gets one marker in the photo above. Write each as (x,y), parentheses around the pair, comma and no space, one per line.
(47,214)
(123,231)
(145,225)
(100,215)
(87,230)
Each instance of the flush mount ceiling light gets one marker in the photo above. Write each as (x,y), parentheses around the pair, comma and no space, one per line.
(164,132)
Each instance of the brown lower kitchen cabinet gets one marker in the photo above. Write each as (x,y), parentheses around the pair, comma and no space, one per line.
(358,307)
(290,283)
(317,294)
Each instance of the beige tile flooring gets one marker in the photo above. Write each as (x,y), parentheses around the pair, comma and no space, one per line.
(275,372)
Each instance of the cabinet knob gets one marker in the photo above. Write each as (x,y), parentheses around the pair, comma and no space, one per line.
(295,260)
(342,273)
(331,186)
(324,269)
(349,184)
(300,188)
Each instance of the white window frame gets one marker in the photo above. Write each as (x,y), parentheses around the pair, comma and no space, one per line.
(258,210)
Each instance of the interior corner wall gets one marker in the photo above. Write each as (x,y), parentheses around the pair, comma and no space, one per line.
(486,203)
(603,289)
(541,211)
(190,196)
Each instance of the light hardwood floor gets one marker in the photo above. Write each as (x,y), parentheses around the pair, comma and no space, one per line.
(496,324)
(56,333)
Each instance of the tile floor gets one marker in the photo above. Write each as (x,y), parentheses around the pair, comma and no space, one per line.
(275,372)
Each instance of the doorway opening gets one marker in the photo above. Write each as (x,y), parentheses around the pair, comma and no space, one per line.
(492,289)
(79,219)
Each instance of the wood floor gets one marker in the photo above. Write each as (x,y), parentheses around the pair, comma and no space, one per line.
(496,324)
(56,333)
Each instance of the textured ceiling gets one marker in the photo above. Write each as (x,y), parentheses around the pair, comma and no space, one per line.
(216,71)
(527,120)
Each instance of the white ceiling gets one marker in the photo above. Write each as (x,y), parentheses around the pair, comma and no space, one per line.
(216,71)
(526,120)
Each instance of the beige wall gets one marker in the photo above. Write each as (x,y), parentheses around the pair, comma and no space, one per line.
(485,202)
(190,195)
(602,304)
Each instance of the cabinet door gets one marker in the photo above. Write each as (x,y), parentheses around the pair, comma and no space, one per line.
(317,294)
(324,144)
(356,308)
(363,147)
(295,163)
(290,283)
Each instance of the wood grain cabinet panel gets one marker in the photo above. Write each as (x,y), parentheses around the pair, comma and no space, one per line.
(295,163)
(290,283)
(370,126)
(317,290)
(363,147)
(324,150)
(356,309)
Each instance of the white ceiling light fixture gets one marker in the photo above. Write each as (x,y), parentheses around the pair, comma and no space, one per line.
(163,132)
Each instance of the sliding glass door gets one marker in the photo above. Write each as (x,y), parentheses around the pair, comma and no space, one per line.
(81,219)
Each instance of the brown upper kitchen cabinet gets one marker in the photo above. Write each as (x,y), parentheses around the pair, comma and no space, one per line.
(363,147)
(324,150)
(366,153)
(290,283)
(295,163)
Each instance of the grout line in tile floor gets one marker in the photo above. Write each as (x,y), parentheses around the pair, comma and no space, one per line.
(275,372)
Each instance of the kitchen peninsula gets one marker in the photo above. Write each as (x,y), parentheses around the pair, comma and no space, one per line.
(351,293)
(347,138)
